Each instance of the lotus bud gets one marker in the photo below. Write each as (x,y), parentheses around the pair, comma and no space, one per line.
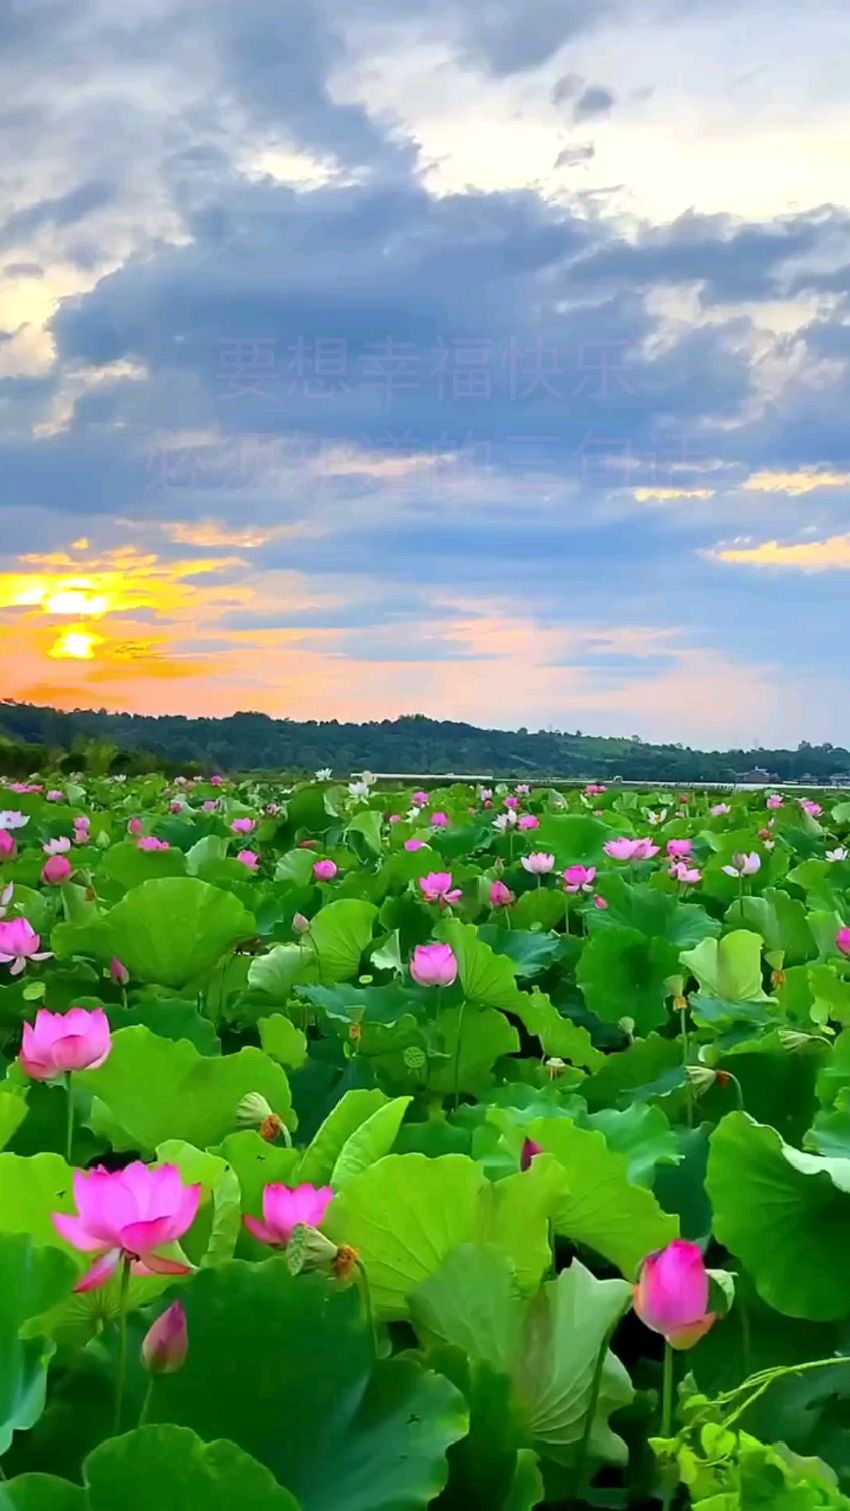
(166,1343)
(119,973)
(529,1149)
(308,1249)
(300,924)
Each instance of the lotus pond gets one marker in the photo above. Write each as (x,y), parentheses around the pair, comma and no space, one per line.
(370,1149)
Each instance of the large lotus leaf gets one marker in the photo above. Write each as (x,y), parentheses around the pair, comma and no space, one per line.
(728,968)
(151,1089)
(548,1346)
(170,1018)
(487,1467)
(558,1036)
(531,951)
(168,931)
(130,866)
(657,914)
(785,1215)
(277,972)
(486,978)
(206,851)
(623,974)
(213,1235)
(165,1467)
(650,1069)
(302,1394)
(338,936)
(32,1280)
(407,1212)
(485,1035)
(573,839)
(353,1109)
(601,1208)
(642,1133)
(283,1041)
(366,828)
(370,1141)
(781,922)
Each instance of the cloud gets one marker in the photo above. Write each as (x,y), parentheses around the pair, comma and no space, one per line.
(831,555)
(594,100)
(796,483)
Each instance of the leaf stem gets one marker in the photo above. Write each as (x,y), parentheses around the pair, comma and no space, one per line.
(366,1291)
(146,1404)
(122,1341)
(592,1403)
(456,1091)
(69,1134)
(667,1412)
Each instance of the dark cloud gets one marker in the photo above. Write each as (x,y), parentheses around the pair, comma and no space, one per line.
(64,210)
(594,100)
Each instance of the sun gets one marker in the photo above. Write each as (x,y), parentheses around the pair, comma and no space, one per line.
(74,645)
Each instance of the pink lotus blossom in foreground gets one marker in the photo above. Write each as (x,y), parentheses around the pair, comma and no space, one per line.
(285,1208)
(775,800)
(57,846)
(82,826)
(325,870)
(8,848)
(414,844)
(510,802)
(421,799)
(671,1296)
(439,820)
(134,826)
(842,940)
(538,863)
(579,878)
(809,806)
(679,849)
(433,965)
(150,842)
(744,865)
(437,887)
(500,895)
(25,787)
(528,821)
(645,849)
(249,858)
(128,1215)
(166,1342)
(719,810)
(56,869)
(687,875)
(243,826)
(20,943)
(630,849)
(61,1042)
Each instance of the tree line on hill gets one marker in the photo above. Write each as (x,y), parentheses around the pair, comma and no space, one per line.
(95,740)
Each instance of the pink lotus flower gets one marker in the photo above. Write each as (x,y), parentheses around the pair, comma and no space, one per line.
(61,1042)
(55,796)
(150,842)
(134,826)
(81,830)
(433,965)
(216,781)
(775,800)
(285,1208)
(325,870)
(809,806)
(437,887)
(842,940)
(11,818)
(644,849)
(511,802)
(300,924)
(538,863)
(601,903)
(414,844)
(25,787)
(579,878)
(439,820)
(500,895)
(530,1148)
(243,826)
(18,944)
(620,849)
(687,875)
(175,806)
(528,821)
(249,858)
(679,849)
(421,799)
(671,1296)
(56,869)
(210,805)
(57,846)
(522,789)
(593,789)
(166,1343)
(719,809)
(394,818)
(744,865)
(8,848)
(126,1215)
(119,973)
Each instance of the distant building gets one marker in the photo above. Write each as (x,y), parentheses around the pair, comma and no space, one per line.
(758,777)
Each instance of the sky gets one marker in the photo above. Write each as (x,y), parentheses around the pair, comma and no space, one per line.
(465,357)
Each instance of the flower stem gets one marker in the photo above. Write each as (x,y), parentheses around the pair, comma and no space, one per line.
(689,1091)
(456,1091)
(368,1309)
(667,1413)
(122,1341)
(69,1136)
(146,1404)
(593,1399)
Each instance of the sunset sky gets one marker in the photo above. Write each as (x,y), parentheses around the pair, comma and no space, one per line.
(467,357)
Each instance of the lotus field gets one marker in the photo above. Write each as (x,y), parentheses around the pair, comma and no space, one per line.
(369,1149)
